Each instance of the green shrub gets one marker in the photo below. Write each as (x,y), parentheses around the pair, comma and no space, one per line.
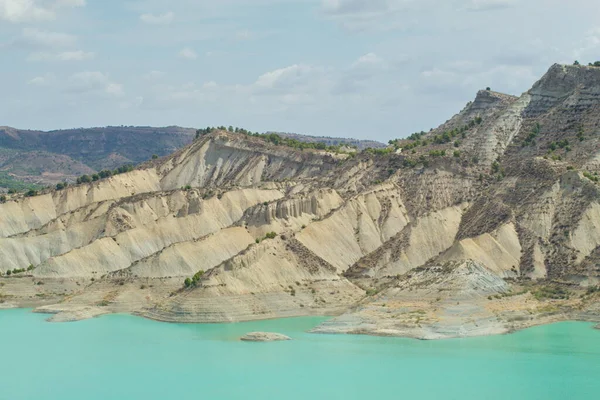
(530,139)
(437,153)
(3,199)
(84,179)
(105,174)
(591,177)
(495,167)
(31,193)
(408,163)
(271,235)
(581,134)
(551,292)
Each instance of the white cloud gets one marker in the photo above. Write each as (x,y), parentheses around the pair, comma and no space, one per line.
(354,78)
(23,11)
(188,54)
(44,80)
(589,47)
(115,89)
(77,55)
(94,82)
(369,60)
(153,75)
(359,15)
(17,11)
(484,5)
(69,3)
(464,78)
(244,35)
(345,7)
(136,102)
(161,19)
(301,85)
(37,37)
(297,84)
(284,77)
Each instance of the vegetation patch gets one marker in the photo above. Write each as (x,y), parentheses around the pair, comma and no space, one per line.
(591,177)
(14,186)
(551,293)
(530,140)
(193,282)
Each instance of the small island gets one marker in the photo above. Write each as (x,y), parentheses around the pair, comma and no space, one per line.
(264,337)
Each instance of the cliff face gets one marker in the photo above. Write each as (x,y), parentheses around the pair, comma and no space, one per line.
(497,209)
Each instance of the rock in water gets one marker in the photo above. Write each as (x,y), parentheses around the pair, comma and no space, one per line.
(264,337)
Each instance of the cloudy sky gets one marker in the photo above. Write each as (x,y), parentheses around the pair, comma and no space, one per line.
(363,68)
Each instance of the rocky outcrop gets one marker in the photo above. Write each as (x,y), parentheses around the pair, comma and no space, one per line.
(264,337)
(437,302)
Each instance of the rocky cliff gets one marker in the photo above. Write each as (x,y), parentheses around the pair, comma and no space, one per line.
(489,223)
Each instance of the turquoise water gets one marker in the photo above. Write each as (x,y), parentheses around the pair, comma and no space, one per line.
(124,357)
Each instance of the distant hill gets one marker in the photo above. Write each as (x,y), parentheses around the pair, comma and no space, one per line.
(47,157)
(333,141)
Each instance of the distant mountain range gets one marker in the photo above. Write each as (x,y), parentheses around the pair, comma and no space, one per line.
(47,157)
(333,141)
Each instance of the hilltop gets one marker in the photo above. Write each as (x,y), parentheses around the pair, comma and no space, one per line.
(486,224)
(32,159)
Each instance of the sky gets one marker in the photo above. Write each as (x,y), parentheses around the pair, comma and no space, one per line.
(370,69)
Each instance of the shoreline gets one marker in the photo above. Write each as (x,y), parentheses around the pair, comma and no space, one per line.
(357,332)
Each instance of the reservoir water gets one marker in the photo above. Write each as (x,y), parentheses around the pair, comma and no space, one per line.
(125,357)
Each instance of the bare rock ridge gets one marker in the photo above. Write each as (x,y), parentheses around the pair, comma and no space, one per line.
(486,224)
(31,158)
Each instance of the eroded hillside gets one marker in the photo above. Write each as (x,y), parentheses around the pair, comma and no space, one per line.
(490,222)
